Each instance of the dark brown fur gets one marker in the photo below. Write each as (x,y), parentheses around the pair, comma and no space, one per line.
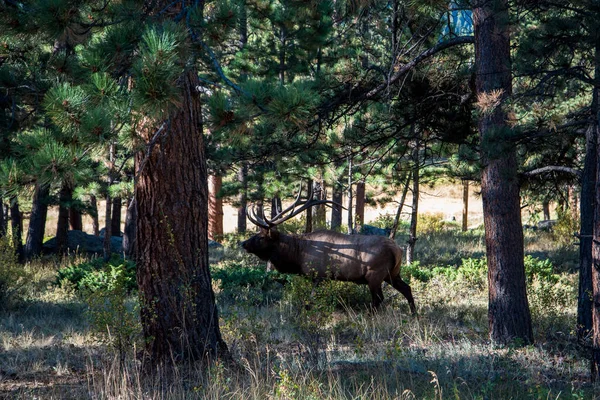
(361,259)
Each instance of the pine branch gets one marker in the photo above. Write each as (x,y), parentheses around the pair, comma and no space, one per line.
(553,168)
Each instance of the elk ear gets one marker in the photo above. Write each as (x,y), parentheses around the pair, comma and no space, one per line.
(264,231)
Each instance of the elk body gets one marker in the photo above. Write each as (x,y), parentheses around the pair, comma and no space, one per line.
(361,259)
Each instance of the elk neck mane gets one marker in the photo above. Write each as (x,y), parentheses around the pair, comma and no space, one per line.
(286,257)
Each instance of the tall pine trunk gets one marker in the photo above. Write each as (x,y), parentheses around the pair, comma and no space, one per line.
(309,213)
(94,215)
(414,211)
(16,224)
(336,211)
(3,218)
(115,217)
(178,312)
(75,219)
(394,228)
(595,245)
(242,224)
(37,222)
(129,231)
(508,313)
(465,211)
(62,225)
(215,208)
(586,210)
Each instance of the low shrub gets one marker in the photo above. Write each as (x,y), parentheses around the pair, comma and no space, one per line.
(113,318)
(245,280)
(97,274)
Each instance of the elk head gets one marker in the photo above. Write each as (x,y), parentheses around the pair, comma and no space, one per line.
(263,243)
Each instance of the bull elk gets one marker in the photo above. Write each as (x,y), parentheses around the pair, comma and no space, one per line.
(361,259)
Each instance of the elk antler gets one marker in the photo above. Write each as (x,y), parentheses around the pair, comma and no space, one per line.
(281,216)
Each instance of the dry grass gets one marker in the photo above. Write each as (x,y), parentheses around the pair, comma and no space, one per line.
(284,350)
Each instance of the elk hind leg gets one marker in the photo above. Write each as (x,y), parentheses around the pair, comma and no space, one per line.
(404,288)
(376,294)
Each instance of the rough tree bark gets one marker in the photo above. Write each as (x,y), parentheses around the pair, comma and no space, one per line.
(508,313)
(178,311)
(37,222)
(215,208)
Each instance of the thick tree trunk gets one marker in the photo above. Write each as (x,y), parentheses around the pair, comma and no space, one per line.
(16,224)
(178,312)
(37,222)
(360,204)
(242,224)
(509,316)
(595,246)
(129,231)
(62,225)
(465,211)
(94,215)
(115,217)
(75,219)
(336,211)
(588,199)
(215,208)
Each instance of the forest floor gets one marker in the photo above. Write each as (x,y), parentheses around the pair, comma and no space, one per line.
(290,340)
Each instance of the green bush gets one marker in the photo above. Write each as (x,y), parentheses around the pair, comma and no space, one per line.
(565,227)
(428,224)
(244,280)
(97,274)
(474,271)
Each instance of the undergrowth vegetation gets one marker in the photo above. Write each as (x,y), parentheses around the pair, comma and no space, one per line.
(77,334)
